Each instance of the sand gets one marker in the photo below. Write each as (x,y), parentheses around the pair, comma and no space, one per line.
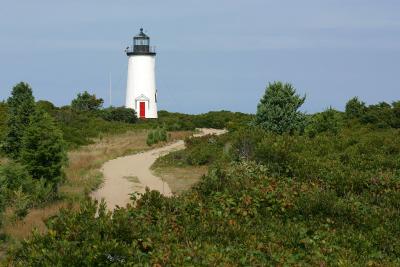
(132,173)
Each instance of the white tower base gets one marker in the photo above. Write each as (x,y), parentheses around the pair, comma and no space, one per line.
(141,92)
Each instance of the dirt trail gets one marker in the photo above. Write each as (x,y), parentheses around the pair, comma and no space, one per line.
(132,173)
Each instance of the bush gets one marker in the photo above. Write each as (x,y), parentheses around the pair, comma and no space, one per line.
(86,102)
(13,175)
(156,136)
(355,108)
(329,121)
(121,114)
(19,191)
(237,212)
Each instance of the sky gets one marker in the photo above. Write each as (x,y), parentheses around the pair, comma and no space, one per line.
(211,54)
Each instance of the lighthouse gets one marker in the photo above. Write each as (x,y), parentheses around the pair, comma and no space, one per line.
(141,92)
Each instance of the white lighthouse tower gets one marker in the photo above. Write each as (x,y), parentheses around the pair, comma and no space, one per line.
(141,92)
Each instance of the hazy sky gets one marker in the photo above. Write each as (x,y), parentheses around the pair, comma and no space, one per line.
(212,55)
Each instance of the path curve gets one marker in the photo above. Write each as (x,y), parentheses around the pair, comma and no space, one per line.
(132,173)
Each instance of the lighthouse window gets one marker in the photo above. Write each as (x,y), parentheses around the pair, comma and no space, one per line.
(141,42)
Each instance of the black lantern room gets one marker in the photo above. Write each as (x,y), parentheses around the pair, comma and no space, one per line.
(141,45)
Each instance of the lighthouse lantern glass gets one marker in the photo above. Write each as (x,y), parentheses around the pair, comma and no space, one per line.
(142,41)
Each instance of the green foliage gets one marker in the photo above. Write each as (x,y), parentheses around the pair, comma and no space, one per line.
(203,150)
(328,121)
(213,119)
(46,106)
(325,198)
(278,109)
(13,176)
(43,149)
(237,215)
(86,102)
(199,151)
(19,191)
(355,108)
(80,128)
(381,115)
(156,136)
(121,114)
(3,120)
(20,105)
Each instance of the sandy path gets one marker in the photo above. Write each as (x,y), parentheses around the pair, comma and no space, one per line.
(132,173)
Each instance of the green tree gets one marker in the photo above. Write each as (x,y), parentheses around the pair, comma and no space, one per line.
(3,119)
(278,110)
(43,149)
(21,104)
(355,108)
(87,102)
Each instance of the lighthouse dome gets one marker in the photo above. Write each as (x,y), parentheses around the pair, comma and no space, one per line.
(141,45)
(141,35)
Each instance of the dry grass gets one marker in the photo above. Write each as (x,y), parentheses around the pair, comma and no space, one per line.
(34,220)
(180,135)
(83,175)
(3,161)
(180,179)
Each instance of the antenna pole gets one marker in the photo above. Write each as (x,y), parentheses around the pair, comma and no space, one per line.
(110,89)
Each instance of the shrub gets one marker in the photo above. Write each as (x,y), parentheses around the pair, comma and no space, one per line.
(86,102)
(329,121)
(156,136)
(355,108)
(13,176)
(121,114)
(244,143)
(19,191)
(46,106)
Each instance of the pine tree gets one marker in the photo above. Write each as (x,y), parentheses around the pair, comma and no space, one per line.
(21,104)
(43,149)
(278,109)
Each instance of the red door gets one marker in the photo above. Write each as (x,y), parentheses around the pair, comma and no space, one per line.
(142,112)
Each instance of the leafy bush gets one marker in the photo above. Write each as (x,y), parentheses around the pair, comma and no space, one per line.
(237,215)
(19,191)
(381,115)
(355,108)
(329,121)
(121,114)
(86,102)
(157,135)
(80,128)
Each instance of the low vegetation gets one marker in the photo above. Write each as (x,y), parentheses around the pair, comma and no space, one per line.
(36,177)
(156,136)
(324,191)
